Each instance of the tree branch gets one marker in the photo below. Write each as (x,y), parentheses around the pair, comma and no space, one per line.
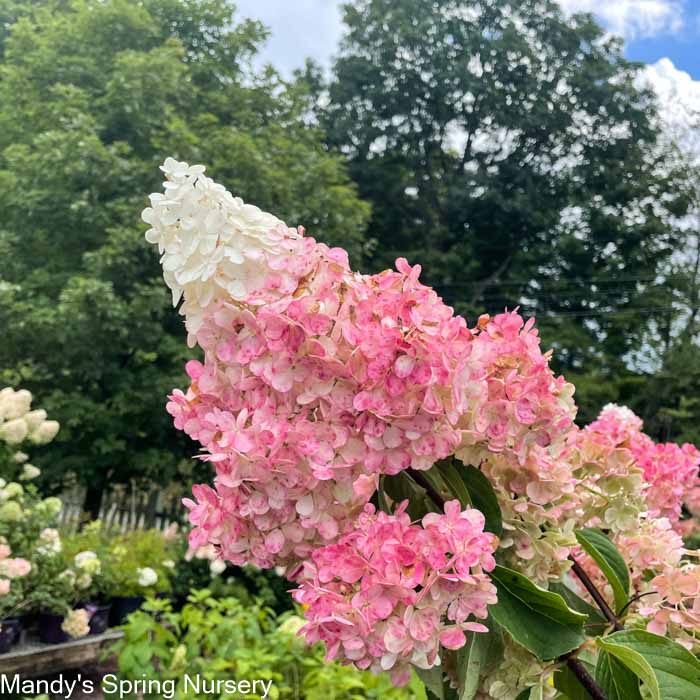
(595,594)
(585,679)
(425,484)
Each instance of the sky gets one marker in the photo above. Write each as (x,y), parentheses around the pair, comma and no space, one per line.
(665,34)
(653,29)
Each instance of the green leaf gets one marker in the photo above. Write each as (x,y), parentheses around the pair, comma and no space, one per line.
(483,497)
(432,679)
(449,472)
(596,624)
(668,670)
(479,658)
(536,692)
(610,561)
(401,487)
(537,619)
(618,681)
(565,682)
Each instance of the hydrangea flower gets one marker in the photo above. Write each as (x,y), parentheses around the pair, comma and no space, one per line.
(389,593)
(88,563)
(318,382)
(669,470)
(147,576)
(76,623)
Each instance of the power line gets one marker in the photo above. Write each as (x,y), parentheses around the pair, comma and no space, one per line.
(543,283)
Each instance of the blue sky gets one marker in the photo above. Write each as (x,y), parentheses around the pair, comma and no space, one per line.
(653,29)
(684,51)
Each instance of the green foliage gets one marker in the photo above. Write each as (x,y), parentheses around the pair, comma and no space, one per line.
(93,96)
(667,670)
(566,682)
(482,497)
(599,547)
(126,554)
(616,680)
(23,515)
(248,584)
(50,587)
(478,658)
(596,623)
(537,619)
(509,150)
(226,639)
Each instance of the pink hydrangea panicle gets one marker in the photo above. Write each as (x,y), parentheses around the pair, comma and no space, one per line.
(669,470)
(317,383)
(389,592)
(514,402)
(311,387)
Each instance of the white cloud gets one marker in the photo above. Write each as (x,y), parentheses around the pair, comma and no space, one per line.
(679,104)
(633,19)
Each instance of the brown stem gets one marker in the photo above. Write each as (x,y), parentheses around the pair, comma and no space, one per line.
(595,594)
(424,483)
(634,599)
(585,679)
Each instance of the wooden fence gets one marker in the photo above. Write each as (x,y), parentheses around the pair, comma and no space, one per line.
(125,510)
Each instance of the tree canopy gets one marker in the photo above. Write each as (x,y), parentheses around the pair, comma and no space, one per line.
(512,151)
(93,95)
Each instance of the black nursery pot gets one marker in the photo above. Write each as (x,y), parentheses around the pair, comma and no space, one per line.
(122,607)
(10,629)
(50,631)
(99,616)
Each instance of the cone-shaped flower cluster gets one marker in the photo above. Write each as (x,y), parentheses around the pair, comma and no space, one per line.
(642,487)
(318,382)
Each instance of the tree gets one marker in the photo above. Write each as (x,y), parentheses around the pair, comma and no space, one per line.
(93,95)
(511,151)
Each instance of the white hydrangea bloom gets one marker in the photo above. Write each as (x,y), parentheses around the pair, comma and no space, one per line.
(14,404)
(35,419)
(45,432)
(29,472)
(18,422)
(14,431)
(147,576)
(212,244)
(88,562)
(217,567)
(49,542)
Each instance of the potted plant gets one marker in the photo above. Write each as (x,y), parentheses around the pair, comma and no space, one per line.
(88,568)
(12,601)
(52,598)
(12,571)
(138,565)
(86,550)
(10,622)
(54,587)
